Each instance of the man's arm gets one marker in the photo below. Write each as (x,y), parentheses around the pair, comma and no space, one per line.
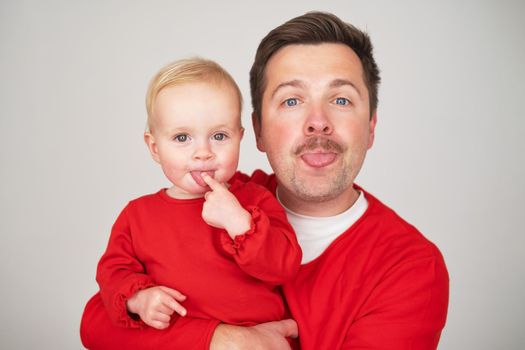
(97,332)
(264,336)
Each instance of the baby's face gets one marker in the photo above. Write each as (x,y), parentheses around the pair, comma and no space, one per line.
(196,128)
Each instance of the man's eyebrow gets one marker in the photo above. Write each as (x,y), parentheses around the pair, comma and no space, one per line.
(292,83)
(343,82)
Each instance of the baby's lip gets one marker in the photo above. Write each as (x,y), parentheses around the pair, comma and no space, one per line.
(197,176)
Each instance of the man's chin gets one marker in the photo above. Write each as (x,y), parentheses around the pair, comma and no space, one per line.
(314,191)
(314,184)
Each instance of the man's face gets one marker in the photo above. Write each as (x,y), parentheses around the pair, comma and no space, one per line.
(316,125)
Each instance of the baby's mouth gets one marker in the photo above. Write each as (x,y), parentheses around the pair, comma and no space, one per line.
(197,176)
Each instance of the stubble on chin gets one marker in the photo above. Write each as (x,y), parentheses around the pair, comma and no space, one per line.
(320,189)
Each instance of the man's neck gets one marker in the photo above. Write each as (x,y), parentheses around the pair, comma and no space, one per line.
(318,208)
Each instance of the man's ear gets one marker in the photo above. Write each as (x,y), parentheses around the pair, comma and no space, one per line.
(372,130)
(152,146)
(256,122)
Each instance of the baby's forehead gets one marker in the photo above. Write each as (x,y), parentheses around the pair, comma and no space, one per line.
(203,101)
(218,85)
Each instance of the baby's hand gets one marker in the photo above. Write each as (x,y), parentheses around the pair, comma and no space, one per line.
(222,210)
(155,305)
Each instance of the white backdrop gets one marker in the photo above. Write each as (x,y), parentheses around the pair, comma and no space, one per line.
(448,155)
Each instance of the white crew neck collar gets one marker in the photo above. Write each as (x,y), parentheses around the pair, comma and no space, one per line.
(315,234)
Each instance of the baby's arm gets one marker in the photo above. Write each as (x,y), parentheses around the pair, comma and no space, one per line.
(125,287)
(98,332)
(260,239)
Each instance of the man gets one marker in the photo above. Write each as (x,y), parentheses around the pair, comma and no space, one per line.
(368,279)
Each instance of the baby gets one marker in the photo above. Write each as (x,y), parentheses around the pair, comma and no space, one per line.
(218,245)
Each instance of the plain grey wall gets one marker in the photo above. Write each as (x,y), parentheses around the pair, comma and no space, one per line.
(448,155)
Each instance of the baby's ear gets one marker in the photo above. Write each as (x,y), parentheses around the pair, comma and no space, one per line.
(152,146)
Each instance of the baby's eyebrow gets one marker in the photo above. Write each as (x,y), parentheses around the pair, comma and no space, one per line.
(222,126)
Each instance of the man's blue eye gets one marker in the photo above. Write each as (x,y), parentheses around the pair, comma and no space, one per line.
(341,101)
(291,102)
(181,138)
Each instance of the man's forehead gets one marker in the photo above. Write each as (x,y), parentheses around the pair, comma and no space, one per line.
(326,65)
(299,62)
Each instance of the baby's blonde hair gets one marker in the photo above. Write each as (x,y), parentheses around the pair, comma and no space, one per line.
(183,71)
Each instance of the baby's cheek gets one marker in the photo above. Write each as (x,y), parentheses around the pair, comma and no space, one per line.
(229,169)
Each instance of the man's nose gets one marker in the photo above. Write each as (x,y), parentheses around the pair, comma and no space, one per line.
(203,152)
(317,122)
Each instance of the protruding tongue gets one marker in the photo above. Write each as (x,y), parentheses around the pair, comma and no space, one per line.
(318,160)
(197,177)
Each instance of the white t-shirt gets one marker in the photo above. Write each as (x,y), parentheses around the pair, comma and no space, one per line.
(315,234)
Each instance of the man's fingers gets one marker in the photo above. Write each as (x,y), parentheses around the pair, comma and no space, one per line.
(289,328)
(210,181)
(286,328)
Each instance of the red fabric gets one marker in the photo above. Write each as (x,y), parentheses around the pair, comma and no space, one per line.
(159,240)
(380,285)
(97,332)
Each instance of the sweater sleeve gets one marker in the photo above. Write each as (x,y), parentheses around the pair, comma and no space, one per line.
(407,309)
(120,274)
(97,332)
(269,250)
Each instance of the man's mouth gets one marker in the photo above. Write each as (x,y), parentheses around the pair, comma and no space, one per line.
(197,176)
(319,152)
(319,160)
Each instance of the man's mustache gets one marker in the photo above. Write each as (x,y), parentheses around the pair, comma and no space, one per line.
(316,143)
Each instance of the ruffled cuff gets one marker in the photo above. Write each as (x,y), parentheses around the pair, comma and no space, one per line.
(234,246)
(124,318)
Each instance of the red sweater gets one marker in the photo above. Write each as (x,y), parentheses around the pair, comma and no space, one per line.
(388,288)
(380,285)
(159,240)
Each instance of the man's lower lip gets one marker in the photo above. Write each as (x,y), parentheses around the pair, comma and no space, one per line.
(318,160)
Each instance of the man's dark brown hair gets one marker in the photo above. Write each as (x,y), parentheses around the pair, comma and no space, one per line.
(313,28)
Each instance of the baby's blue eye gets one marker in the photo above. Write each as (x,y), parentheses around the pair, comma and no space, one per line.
(291,102)
(219,136)
(341,101)
(181,138)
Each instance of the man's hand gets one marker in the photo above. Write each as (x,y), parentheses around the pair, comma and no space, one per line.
(222,210)
(155,305)
(264,336)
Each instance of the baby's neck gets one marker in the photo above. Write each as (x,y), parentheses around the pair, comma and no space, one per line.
(174,193)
